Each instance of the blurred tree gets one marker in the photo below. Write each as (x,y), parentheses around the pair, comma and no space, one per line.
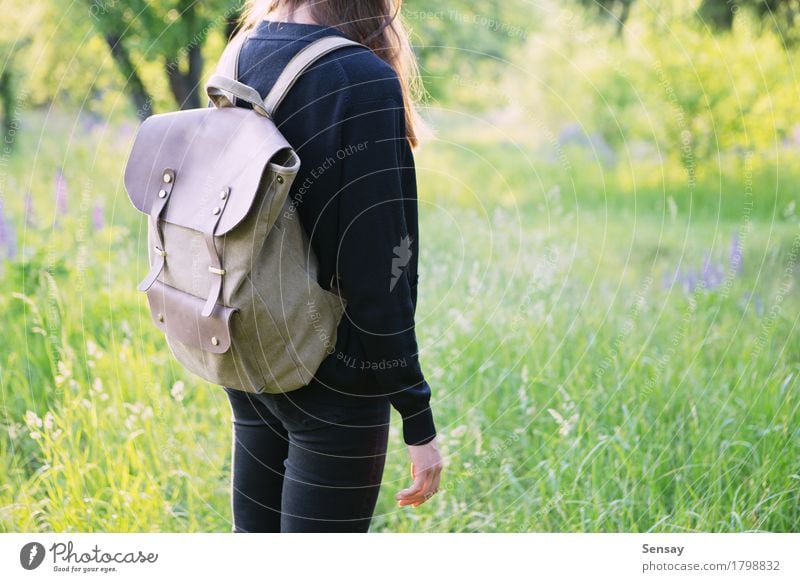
(616,10)
(142,100)
(640,98)
(718,14)
(780,15)
(172,32)
(8,95)
(15,40)
(465,39)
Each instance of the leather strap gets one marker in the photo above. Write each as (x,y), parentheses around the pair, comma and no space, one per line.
(298,64)
(223,91)
(228,65)
(223,88)
(160,203)
(215,266)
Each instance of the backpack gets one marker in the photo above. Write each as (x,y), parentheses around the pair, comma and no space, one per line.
(232,280)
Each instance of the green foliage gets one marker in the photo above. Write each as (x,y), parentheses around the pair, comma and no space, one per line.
(462,38)
(15,46)
(669,87)
(171,32)
(105,56)
(155,53)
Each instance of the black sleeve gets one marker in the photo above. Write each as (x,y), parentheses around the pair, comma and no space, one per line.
(374,258)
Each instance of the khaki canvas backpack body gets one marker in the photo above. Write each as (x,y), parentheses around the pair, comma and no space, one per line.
(232,280)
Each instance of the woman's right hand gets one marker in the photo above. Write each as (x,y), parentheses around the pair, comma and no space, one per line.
(426,468)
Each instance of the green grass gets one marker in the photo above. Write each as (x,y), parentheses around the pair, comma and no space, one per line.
(575,389)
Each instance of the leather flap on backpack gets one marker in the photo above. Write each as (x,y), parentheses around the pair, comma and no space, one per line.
(211,151)
(178,315)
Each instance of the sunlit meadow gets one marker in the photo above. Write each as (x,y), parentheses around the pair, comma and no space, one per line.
(603,357)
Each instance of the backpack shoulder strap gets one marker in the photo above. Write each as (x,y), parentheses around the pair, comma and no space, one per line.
(228,64)
(299,63)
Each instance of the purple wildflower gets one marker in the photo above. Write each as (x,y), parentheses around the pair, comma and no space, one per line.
(755,300)
(736,253)
(30,219)
(689,281)
(61,192)
(8,236)
(11,243)
(98,217)
(712,274)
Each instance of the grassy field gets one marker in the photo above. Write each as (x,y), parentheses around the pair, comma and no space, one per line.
(609,348)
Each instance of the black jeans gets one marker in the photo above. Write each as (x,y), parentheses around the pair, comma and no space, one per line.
(310,460)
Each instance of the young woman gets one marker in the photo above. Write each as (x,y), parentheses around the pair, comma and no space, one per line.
(313,459)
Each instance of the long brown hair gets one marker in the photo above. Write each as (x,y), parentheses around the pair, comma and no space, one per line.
(374,23)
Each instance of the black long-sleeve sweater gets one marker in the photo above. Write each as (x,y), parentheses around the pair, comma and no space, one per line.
(356,196)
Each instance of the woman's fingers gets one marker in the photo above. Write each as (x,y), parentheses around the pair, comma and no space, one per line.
(424,487)
(416,488)
(431,484)
(426,467)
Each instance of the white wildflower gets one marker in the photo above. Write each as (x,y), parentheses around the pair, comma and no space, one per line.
(92,350)
(458,431)
(64,369)
(565,426)
(456,316)
(178,390)
(32,419)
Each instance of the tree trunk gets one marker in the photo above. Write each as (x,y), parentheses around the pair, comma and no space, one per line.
(142,100)
(194,76)
(185,85)
(7,106)
(718,14)
(623,16)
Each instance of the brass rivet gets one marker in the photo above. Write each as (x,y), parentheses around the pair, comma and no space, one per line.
(162,193)
(280,179)
(167,177)
(160,317)
(224,194)
(215,340)
(216,210)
